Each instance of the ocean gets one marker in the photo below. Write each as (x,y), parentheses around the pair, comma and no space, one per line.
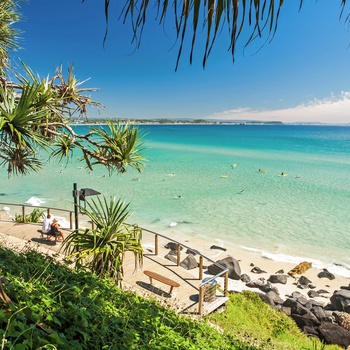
(204,181)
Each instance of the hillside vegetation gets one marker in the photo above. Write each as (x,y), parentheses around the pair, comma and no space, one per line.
(53,307)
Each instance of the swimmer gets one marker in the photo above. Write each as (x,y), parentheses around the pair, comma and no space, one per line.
(233,166)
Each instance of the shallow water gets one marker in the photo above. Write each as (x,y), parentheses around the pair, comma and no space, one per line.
(305,214)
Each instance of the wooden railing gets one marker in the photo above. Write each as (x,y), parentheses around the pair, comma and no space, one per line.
(207,281)
(179,245)
(24,211)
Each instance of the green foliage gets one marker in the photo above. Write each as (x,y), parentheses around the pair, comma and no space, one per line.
(34,217)
(256,324)
(59,307)
(102,249)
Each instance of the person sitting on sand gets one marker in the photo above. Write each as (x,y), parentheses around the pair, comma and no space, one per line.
(47,224)
(55,230)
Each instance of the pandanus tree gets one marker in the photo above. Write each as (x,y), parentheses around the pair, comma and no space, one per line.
(35,114)
(102,248)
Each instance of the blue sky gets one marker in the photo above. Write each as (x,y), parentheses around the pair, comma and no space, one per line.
(303,75)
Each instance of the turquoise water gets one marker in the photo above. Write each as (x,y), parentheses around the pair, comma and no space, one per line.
(305,214)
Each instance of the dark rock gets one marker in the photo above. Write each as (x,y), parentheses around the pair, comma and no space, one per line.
(322,291)
(296,307)
(275,297)
(234,270)
(245,278)
(257,270)
(332,333)
(304,281)
(300,298)
(286,310)
(326,274)
(319,313)
(306,320)
(172,246)
(313,294)
(172,252)
(340,299)
(311,286)
(217,247)
(171,258)
(278,279)
(255,283)
(266,287)
(266,299)
(189,262)
(190,251)
(345,287)
(310,331)
(279,272)
(347,308)
(251,264)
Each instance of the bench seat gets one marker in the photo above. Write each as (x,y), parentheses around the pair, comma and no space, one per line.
(160,278)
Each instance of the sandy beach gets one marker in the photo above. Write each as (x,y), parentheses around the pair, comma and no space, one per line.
(18,237)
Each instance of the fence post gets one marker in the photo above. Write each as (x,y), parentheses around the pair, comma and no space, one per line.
(178,254)
(48,211)
(200,267)
(156,244)
(200,301)
(23,213)
(226,284)
(70,220)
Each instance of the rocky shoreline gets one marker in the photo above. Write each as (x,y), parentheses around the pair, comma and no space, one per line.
(319,305)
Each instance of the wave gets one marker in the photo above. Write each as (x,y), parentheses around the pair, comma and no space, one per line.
(336,269)
(35,201)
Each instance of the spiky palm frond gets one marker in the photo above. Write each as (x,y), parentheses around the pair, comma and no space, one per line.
(207,16)
(20,161)
(8,34)
(120,146)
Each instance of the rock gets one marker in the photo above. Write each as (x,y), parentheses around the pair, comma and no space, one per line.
(300,298)
(172,252)
(300,268)
(217,247)
(171,258)
(279,272)
(343,319)
(172,246)
(266,287)
(345,287)
(245,278)
(311,286)
(296,307)
(347,308)
(189,262)
(310,331)
(257,270)
(275,297)
(190,251)
(266,299)
(326,274)
(234,270)
(313,294)
(319,313)
(278,279)
(304,281)
(332,333)
(256,283)
(306,320)
(340,299)
(322,291)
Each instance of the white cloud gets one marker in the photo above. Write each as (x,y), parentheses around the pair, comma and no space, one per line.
(334,109)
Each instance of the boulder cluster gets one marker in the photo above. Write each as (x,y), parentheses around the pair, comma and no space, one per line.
(329,321)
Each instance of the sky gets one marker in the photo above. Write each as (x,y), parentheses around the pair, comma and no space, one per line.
(302,75)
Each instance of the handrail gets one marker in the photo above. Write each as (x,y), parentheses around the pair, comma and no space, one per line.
(156,238)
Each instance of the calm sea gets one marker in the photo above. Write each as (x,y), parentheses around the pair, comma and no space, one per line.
(204,181)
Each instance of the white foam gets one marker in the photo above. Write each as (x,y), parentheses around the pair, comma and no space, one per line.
(36,201)
(7,209)
(173,224)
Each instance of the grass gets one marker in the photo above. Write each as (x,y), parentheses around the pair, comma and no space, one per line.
(55,307)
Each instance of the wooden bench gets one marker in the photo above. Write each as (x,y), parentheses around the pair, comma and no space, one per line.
(47,234)
(162,279)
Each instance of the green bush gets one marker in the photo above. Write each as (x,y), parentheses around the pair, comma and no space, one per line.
(34,217)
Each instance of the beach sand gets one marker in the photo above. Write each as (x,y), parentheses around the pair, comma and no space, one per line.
(11,236)
(249,258)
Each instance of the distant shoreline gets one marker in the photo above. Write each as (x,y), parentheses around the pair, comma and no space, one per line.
(201,122)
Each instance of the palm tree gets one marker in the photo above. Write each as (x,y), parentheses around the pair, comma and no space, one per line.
(102,248)
(208,16)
